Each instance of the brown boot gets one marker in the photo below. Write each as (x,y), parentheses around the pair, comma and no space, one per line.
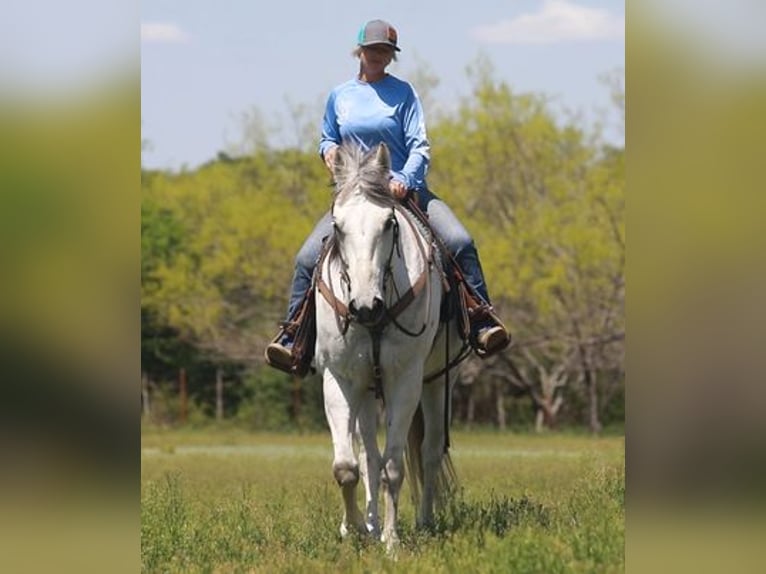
(488,334)
(491,339)
(279,353)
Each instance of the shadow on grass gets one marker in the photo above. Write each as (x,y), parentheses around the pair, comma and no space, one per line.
(496,515)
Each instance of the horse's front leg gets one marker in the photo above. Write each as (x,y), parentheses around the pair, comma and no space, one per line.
(341,402)
(370,459)
(402,397)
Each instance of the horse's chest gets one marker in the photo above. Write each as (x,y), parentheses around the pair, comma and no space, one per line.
(355,358)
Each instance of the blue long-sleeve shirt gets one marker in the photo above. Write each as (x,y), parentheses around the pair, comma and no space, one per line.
(389,111)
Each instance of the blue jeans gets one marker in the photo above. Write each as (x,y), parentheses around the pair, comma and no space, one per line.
(444,223)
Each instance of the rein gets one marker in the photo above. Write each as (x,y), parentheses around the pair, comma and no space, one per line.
(409,296)
(342,318)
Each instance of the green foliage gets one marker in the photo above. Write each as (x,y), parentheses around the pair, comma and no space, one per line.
(545,204)
(241,225)
(268,401)
(497,515)
(274,401)
(545,209)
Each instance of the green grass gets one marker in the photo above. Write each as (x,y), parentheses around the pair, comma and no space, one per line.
(229,501)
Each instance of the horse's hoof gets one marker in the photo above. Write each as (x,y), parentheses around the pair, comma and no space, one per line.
(392,544)
(392,549)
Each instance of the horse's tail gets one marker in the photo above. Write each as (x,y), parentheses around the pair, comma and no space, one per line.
(414,456)
(446,477)
(446,480)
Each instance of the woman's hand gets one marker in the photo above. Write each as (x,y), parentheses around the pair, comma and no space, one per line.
(398,189)
(329,159)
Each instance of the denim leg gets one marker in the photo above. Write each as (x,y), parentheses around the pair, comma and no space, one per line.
(305,261)
(457,239)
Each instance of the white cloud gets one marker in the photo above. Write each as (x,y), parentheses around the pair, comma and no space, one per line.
(162,32)
(557,21)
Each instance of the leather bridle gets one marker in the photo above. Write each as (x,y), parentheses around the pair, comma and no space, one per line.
(390,313)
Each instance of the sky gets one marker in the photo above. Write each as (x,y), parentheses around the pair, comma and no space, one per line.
(204,63)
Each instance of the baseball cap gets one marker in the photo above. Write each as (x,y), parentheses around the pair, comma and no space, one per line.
(378,32)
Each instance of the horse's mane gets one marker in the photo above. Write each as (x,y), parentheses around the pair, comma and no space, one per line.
(366,172)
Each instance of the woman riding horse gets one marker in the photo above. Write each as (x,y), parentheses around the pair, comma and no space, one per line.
(376,107)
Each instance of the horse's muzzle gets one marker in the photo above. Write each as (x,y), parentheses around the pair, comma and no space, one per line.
(367,316)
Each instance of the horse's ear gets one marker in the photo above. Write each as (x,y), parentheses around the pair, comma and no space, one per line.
(383,157)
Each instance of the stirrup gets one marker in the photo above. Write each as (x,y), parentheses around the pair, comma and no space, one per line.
(278,355)
(491,336)
(491,340)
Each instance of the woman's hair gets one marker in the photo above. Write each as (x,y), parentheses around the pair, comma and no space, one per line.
(356,52)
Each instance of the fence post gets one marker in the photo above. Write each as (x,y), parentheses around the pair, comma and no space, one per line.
(145,396)
(183,395)
(218,394)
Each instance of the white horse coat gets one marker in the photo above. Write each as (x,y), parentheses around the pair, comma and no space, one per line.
(380,257)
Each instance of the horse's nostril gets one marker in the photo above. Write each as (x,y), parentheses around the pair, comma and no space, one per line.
(366,315)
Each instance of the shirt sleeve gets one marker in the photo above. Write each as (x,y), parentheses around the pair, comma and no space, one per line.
(330,130)
(413,174)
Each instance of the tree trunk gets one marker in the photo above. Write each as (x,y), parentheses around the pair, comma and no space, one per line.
(297,400)
(500,406)
(590,385)
(218,394)
(593,420)
(183,395)
(470,408)
(145,396)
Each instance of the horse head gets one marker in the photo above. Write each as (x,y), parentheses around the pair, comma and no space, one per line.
(365,227)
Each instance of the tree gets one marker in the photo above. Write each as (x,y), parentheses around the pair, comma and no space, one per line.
(226,285)
(546,209)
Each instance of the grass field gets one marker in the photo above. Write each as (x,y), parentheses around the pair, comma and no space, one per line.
(232,501)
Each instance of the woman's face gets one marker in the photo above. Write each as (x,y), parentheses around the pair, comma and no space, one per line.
(376,58)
